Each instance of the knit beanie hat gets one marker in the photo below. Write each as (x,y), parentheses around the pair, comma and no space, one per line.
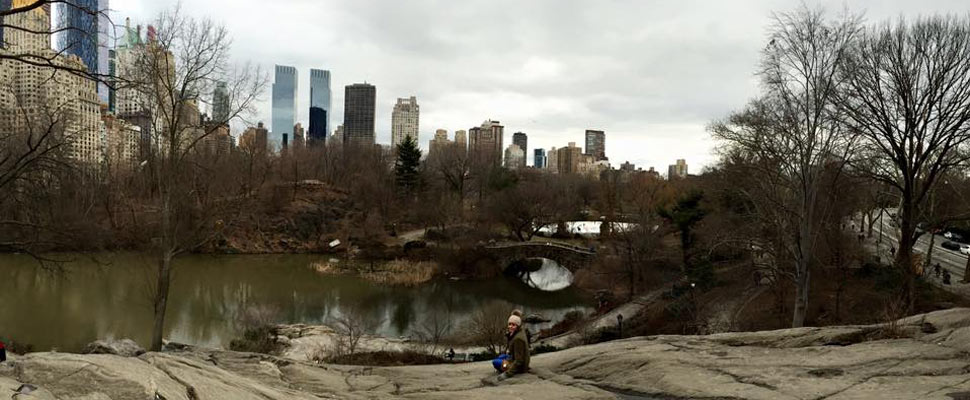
(515,319)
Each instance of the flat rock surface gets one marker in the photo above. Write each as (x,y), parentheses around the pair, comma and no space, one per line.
(853,362)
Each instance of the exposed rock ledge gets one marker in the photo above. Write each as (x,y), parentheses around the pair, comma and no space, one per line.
(931,362)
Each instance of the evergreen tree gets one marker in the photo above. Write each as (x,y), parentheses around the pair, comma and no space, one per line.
(407,164)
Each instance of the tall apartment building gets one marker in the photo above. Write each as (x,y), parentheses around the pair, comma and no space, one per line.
(569,158)
(405,120)
(220,103)
(677,170)
(539,159)
(522,140)
(320,97)
(255,139)
(359,103)
(596,144)
(552,160)
(437,144)
(486,141)
(85,32)
(37,96)
(461,139)
(284,104)
(514,157)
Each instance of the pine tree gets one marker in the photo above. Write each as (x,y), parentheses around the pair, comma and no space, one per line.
(406,166)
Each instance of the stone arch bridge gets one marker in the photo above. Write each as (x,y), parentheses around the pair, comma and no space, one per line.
(571,257)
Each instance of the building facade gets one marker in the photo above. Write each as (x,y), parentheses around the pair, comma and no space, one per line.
(359,103)
(37,97)
(522,140)
(539,159)
(284,104)
(552,160)
(514,157)
(677,170)
(569,158)
(405,120)
(220,103)
(461,139)
(485,141)
(320,98)
(255,139)
(596,144)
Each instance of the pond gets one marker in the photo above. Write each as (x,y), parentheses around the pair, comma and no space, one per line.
(108,296)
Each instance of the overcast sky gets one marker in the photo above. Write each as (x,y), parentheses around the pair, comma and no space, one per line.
(652,74)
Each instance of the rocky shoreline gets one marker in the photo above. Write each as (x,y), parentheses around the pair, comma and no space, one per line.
(920,357)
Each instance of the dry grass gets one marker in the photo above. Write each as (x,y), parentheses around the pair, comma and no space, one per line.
(402,273)
(391,273)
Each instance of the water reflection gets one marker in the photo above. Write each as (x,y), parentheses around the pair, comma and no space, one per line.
(549,277)
(210,294)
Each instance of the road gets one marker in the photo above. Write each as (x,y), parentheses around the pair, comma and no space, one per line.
(951,260)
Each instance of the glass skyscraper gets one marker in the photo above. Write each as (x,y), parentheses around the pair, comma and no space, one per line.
(284,104)
(359,101)
(86,31)
(320,113)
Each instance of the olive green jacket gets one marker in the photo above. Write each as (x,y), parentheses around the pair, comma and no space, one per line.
(518,348)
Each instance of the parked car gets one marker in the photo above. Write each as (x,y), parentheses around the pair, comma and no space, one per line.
(950,245)
(954,236)
(964,248)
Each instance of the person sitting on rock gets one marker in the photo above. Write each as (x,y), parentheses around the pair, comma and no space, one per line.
(518,349)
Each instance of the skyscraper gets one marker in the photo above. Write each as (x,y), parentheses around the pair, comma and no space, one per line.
(569,158)
(514,157)
(486,141)
(220,103)
(596,144)
(539,160)
(320,97)
(85,31)
(404,120)
(461,139)
(359,100)
(522,140)
(4,5)
(552,160)
(677,170)
(284,104)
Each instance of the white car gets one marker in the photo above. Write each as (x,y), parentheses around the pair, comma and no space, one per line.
(948,235)
(964,248)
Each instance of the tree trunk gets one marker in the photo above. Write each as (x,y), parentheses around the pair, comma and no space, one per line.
(904,255)
(801,297)
(966,271)
(929,254)
(161,298)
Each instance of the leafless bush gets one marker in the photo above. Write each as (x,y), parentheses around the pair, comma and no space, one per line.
(351,325)
(487,326)
(435,327)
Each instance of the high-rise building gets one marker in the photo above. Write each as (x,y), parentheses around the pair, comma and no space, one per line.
(569,159)
(299,135)
(461,139)
(552,160)
(284,104)
(439,143)
(320,97)
(539,159)
(677,170)
(596,144)
(220,103)
(255,139)
(514,157)
(522,140)
(359,102)
(486,141)
(85,31)
(404,120)
(39,96)
(627,166)
(4,5)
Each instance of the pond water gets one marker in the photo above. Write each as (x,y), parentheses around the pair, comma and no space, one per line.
(108,296)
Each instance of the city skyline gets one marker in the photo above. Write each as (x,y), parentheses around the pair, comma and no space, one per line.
(654,88)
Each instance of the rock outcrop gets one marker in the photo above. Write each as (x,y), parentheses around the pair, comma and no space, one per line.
(124,347)
(921,357)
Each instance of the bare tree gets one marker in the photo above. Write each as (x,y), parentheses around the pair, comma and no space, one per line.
(175,72)
(351,325)
(793,131)
(909,97)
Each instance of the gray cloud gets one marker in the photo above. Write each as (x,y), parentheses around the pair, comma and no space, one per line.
(652,74)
